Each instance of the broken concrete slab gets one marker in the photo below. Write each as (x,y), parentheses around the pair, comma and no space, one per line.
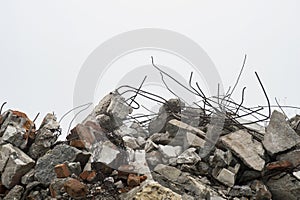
(105,152)
(284,186)
(226,177)
(279,136)
(45,165)
(45,137)
(17,163)
(245,147)
(169,152)
(15,193)
(189,156)
(16,128)
(130,142)
(170,173)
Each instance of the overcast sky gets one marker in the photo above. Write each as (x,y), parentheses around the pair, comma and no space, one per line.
(43,44)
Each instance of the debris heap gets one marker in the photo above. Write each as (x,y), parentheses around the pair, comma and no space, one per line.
(104,157)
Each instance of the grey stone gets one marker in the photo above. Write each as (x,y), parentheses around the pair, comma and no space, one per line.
(191,140)
(295,123)
(59,154)
(14,135)
(28,177)
(130,142)
(50,123)
(105,152)
(284,186)
(154,158)
(105,122)
(46,136)
(140,131)
(189,156)
(292,156)
(117,108)
(279,136)
(170,173)
(15,193)
(192,116)
(170,151)
(75,168)
(56,187)
(188,128)
(17,163)
(44,140)
(16,128)
(245,147)
(102,106)
(226,177)
(150,146)
(141,141)
(261,191)
(199,189)
(140,164)
(158,124)
(241,191)
(161,138)
(221,158)
(125,131)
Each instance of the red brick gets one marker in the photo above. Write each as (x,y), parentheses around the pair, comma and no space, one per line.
(279,165)
(143,178)
(133,180)
(88,176)
(62,171)
(75,188)
(79,144)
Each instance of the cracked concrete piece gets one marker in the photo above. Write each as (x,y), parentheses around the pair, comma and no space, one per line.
(44,169)
(279,136)
(189,156)
(245,147)
(18,164)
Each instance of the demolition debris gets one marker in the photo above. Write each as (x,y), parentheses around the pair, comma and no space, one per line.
(181,152)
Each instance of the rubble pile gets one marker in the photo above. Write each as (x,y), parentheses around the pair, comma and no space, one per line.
(104,157)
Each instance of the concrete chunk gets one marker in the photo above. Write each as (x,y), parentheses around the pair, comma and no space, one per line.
(18,164)
(279,136)
(245,147)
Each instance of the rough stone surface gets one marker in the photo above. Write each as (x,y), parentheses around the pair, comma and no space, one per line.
(105,152)
(170,151)
(15,193)
(284,186)
(151,191)
(130,142)
(28,177)
(227,177)
(45,165)
(279,136)
(46,136)
(171,173)
(246,148)
(292,156)
(16,128)
(56,187)
(17,164)
(189,156)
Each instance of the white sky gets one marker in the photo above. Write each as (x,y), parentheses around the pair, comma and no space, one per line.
(43,44)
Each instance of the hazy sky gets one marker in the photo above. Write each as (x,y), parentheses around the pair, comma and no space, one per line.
(43,44)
